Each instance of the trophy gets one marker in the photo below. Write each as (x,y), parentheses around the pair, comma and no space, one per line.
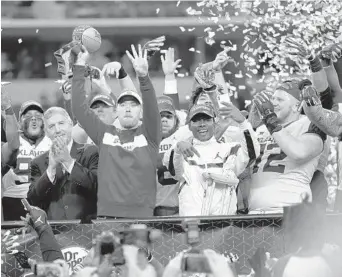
(66,56)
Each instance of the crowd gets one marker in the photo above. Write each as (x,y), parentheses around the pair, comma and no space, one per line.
(133,155)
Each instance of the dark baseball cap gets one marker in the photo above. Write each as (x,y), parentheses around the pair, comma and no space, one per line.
(30,105)
(201,109)
(109,101)
(291,87)
(165,104)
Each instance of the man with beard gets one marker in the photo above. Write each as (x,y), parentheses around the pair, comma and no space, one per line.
(33,143)
(64,179)
(129,155)
(167,188)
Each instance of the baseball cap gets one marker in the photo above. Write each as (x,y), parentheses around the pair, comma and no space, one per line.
(109,101)
(291,87)
(30,104)
(165,104)
(201,109)
(130,93)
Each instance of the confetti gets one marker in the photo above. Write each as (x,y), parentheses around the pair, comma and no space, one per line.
(5,83)
(181,75)
(60,81)
(37,30)
(192,49)
(157,10)
(182,29)
(248,103)
(178,3)
(20,40)
(48,64)
(187,97)
(191,29)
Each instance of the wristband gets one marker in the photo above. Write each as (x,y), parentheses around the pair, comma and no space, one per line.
(315,65)
(271,122)
(122,73)
(9,111)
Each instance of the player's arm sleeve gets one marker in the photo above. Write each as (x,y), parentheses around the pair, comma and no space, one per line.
(319,80)
(171,90)
(174,162)
(251,140)
(151,117)
(93,126)
(68,108)
(302,148)
(9,150)
(126,83)
(329,122)
(49,246)
(333,80)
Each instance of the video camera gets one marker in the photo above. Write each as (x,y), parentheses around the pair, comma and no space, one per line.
(193,259)
(137,234)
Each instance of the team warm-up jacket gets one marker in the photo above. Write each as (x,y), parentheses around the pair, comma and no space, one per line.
(128,158)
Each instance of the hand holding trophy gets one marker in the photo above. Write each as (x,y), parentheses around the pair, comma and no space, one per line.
(84,35)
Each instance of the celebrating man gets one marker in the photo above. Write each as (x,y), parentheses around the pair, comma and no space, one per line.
(290,150)
(64,179)
(33,143)
(128,156)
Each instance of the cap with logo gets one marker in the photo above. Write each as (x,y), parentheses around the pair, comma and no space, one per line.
(28,105)
(201,109)
(130,93)
(108,100)
(165,104)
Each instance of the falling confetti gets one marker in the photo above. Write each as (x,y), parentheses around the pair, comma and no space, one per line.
(37,31)
(157,10)
(178,3)
(192,49)
(20,40)
(181,75)
(5,83)
(182,29)
(48,64)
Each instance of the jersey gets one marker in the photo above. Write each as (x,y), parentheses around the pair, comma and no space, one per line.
(278,180)
(16,181)
(167,187)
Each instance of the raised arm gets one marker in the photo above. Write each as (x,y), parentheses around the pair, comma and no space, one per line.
(151,117)
(300,149)
(169,66)
(93,126)
(10,148)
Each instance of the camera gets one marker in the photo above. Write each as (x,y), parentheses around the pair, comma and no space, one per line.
(194,260)
(109,244)
(48,269)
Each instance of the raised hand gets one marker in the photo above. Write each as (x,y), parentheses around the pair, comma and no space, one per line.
(83,55)
(263,104)
(221,60)
(66,89)
(35,217)
(168,62)
(5,100)
(297,47)
(111,69)
(229,110)
(154,46)
(331,53)
(310,96)
(139,61)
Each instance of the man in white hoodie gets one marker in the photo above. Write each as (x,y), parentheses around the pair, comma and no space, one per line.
(208,179)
